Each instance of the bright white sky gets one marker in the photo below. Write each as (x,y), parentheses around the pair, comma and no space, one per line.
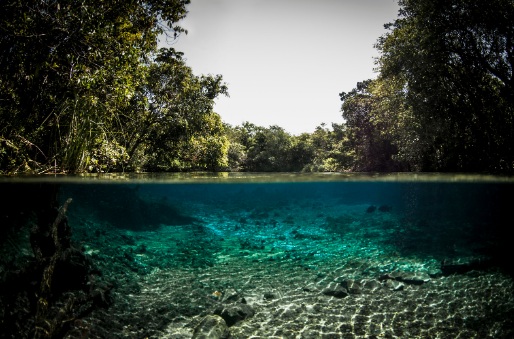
(285,61)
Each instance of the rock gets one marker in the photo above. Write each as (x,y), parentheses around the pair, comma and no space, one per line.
(386,276)
(141,249)
(268,296)
(460,267)
(211,327)
(371,209)
(394,285)
(435,273)
(232,313)
(361,286)
(335,290)
(371,285)
(231,295)
(352,286)
(417,278)
(411,278)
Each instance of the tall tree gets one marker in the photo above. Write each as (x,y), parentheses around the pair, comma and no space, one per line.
(269,150)
(371,143)
(171,120)
(67,69)
(258,148)
(327,150)
(453,63)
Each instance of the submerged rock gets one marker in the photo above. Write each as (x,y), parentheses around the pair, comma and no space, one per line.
(364,286)
(211,327)
(411,278)
(385,208)
(231,295)
(235,312)
(394,285)
(352,286)
(371,285)
(460,267)
(418,278)
(269,296)
(335,290)
(371,209)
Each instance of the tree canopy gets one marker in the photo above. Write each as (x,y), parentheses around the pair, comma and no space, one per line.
(84,87)
(446,69)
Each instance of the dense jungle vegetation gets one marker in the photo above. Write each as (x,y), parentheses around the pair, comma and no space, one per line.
(84,87)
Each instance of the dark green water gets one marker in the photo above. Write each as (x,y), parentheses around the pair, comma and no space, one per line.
(286,256)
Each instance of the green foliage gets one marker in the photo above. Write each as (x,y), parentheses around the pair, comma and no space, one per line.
(367,132)
(443,100)
(451,62)
(328,152)
(171,118)
(268,150)
(83,88)
(257,148)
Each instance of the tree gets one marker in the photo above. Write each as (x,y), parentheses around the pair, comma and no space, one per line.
(395,126)
(237,151)
(453,60)
(327,151)
(301,152)
(171,119)
(68,69)
(373,148)
(269,149)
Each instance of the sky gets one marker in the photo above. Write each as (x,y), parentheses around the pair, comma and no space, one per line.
(284,61)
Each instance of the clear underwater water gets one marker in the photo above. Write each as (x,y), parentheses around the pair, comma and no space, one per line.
(402,249)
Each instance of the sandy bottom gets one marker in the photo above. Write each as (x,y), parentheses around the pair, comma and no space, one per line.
(282,261)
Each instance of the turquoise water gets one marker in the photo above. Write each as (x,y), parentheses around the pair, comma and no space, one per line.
(274,256)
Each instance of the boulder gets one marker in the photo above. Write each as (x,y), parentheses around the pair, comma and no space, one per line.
(231,295)
(235,312)
(211,327)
